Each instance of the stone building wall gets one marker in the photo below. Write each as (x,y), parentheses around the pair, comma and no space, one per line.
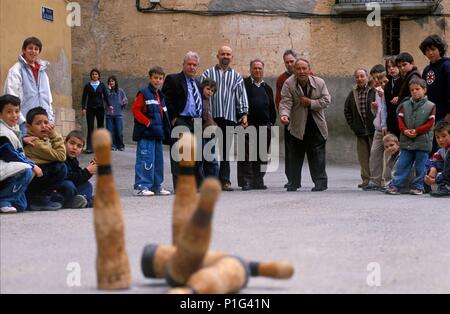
(118,39)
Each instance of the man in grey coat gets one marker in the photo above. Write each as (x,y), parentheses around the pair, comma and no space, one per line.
(304,98)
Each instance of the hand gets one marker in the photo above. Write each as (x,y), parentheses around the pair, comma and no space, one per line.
(92,167)
(51,130)
(384,131)
(374,105)
(284,120)
(83,112)
(430,180)
(111,109)
(394,101)
(37,171)
(380,91)
(410,133)
(305,101)
(28,140)
(244,121)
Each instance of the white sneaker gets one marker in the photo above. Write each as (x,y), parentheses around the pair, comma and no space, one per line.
(143,192)
(163,192)
(8,210)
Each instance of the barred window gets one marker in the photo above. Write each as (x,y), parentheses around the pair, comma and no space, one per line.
(391,36)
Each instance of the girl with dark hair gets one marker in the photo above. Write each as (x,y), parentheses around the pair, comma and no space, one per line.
(95,95)
(114,122)
(391,92)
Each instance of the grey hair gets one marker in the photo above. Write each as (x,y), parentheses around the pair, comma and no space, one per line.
(256,60)
(292,53)
(191,55)
(361,69)
(304,60)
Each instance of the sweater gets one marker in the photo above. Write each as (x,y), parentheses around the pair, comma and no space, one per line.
(437,76)
(46,150)
(74,172)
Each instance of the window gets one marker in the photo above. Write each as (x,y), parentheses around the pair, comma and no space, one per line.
(391,36)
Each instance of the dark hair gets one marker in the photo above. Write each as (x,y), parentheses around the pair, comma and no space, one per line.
(442,126)
(378,68)
(404,57)
(290,52)
(388,61)
(113,78)
(94,71)
(256,60)
(418,81)
(35,112)
(209,82)
(436,41)
(32,41)
(8,100)
(75,133)
(156,70)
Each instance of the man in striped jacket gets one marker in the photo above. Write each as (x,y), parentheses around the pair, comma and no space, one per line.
(229,105)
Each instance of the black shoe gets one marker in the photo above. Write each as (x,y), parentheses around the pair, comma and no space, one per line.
(246,187)
(260,187)
(291,189)
(287,185)
(318,188)
(441,191)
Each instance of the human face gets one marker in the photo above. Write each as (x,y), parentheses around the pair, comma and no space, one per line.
(225,55)
(112,83)
(74,146)
(361,78)
(393,70)
(289,63)
(417,91)
(40,126)
(257,71)
(10,114)
(433,54)
(157,80)
(190,67)
(31,53)
(95,76)
(382,81)
(405,67)
(302,71)
(443,138)
(391,147)
(208,91)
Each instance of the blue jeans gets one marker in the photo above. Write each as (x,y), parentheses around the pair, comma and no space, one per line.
(115,127)
(40,189)
(405,162)
(12,190)
(149,169)
(69,190)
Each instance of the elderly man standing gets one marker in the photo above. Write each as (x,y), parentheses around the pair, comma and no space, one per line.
(183,95)
(360,119)
(304,98)
(289,58)
(229,105)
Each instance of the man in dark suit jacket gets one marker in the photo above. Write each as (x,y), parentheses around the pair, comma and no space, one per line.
(261,115)
(183,95)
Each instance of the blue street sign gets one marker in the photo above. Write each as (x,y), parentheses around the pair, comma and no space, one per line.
(47,14)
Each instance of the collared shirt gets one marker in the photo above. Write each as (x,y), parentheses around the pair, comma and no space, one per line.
(230,99)
(256,83)
(190,108)
(362,97)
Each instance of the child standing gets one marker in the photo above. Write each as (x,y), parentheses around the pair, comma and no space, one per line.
(151,127)
(408,71)
(391,91)
(16,170)
(416,120)
(76,188)
(49,153)
(114,122)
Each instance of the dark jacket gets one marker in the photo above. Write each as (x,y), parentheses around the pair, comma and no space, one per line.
(176,92)
(404,92)
(353,113)
(437,76)
(260,116)
(391,90)
(74,172)
(94,99)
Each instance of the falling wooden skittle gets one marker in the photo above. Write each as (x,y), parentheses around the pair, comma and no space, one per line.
(229,274)
(195,236)
(113,268)
(155,260)
(186,190)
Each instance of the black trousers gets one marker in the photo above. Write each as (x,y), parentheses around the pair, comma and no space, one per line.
(313,145)
(91,115)
(224,168)
(287,157)
(251,172)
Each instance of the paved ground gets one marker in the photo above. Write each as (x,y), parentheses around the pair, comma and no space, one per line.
(331,237)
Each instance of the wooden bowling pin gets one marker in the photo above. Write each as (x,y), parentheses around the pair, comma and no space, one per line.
(113,268)
(186,190)
(227,275)
(155,260)
(195,236)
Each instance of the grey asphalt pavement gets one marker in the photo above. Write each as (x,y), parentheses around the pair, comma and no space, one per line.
(343,240)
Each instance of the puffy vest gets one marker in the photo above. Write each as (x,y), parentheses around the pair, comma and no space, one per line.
(159,128)
(416,115)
